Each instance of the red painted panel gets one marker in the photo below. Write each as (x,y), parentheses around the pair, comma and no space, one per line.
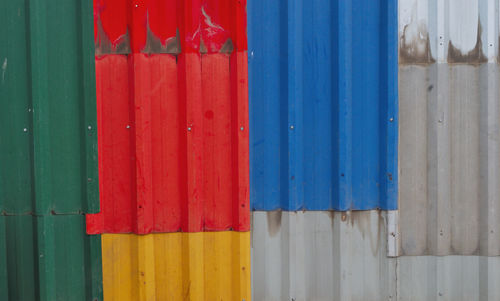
(173,143)
(151,26)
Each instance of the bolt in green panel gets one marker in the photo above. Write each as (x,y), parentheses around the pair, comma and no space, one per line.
(48,128)
(49,258)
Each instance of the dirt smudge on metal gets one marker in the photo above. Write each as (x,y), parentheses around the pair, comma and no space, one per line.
(4,68)
(274,222)
(473,57)
(366,222)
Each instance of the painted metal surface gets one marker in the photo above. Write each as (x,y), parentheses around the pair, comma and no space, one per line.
(323,104)
(317,256)
(49,258)
(177,266)
(170,26)
(449,128)
(325,256)
(48,152)
(173,121)
(48,148)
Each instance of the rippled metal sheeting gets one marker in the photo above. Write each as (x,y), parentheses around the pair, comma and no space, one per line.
(323,256)
(449,152)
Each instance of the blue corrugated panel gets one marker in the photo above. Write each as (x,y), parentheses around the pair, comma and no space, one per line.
(323,104)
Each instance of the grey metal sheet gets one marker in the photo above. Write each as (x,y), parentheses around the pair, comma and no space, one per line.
(449,158)
(320,256)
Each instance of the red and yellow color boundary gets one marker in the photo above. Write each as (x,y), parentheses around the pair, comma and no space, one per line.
(172,103)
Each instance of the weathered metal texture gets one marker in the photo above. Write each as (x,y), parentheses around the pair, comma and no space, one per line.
(323,104)
(48,143)
(449,128)
(450,278)
(177,266)
(325,256)
(317,256)
(173,128)
(49,258)
(169,26)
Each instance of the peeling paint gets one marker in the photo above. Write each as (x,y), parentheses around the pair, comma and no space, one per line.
(154,44)
(212,28)
(473,57)
(103,45)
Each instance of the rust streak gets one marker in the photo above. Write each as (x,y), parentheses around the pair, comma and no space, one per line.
(473,57)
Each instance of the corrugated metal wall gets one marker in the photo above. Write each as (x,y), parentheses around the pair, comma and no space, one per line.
(48,152)
(323,104)
(173,126)
(449,127)
(172,95)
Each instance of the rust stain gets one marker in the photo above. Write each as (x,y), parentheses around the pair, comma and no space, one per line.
(274,222)
(104,46)
(415,48)
(473,57)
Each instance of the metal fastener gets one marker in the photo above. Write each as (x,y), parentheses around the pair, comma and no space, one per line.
(25,129)
(89,127)
(128,126)
(292,127)
(242,128)
(189,128)
(391,119)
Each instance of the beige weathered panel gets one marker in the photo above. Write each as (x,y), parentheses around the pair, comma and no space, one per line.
(449,152)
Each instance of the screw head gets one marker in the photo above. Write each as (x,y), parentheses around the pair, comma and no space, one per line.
(25,129)
(242,128)
(89,127)
(391,119)
(189,128)
(128,126)
(292,127)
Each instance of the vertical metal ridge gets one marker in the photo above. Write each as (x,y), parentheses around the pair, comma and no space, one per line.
(89,130)
(345,118)
(389,99)
(40,105)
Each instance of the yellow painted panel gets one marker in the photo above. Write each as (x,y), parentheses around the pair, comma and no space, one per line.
(176,266)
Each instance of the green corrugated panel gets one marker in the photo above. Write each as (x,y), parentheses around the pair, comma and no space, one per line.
(48,137)
(47,258)
(48,152)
